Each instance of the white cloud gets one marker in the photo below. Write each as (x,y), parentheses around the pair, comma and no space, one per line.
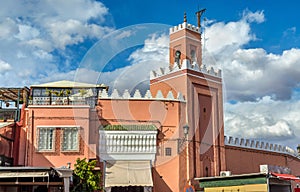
(257,16)
(37,36)
(7,28)
(156,48)
(220,36)
(264,119)
(4,67)
(27,32)
(124,34)
(250,73)
(151,56)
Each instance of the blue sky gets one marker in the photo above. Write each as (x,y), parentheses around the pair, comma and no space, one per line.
(255,42)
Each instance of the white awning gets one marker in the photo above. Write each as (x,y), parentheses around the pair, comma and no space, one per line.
(128,173)
(23,174)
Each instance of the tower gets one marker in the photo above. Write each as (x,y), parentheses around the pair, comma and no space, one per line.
(185,43)
(201,87)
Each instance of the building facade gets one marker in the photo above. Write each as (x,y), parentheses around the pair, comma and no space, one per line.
(157,141)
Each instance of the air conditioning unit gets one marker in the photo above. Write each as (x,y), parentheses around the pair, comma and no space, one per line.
(225,173)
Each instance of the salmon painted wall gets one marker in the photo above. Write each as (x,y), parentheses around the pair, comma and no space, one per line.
(59,116)
(243,160)
(161,113)
(205,117)
(6,146)
(166,116)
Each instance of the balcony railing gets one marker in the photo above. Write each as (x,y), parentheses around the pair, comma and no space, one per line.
(8,114)
(63,101)
(127,144)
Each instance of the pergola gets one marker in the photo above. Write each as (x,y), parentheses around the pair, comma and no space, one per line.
(9,95)
(12,94)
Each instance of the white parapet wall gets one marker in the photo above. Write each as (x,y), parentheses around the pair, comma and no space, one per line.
(258,145)
(185,25)
(137,96)
(186,64)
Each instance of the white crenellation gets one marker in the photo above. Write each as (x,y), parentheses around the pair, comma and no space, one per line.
(159,95)
(170,95)
(115,94)
(180,96)
(126,94)
(195,66)
(148,95)
(185,25)
(137,95)
(258,145)
(186,64)
(103,94)
(153,74)
(161,71)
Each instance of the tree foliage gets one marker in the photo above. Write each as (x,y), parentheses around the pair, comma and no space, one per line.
(86,179)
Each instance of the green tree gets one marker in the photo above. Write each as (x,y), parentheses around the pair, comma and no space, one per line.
(86,179)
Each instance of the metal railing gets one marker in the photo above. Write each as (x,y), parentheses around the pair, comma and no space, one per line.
(91,101)
(8,114)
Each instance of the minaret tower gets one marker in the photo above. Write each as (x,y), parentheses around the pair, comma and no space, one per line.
(185,43)
(201,88)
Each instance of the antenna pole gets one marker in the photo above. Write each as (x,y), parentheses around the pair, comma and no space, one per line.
(199,14)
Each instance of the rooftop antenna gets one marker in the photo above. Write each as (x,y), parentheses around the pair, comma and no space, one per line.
(199,14)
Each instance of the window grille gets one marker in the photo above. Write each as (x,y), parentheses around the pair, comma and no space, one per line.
(168,151)
(46,138)
(70,139)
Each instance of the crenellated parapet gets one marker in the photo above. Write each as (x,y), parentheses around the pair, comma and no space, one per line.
(138,96)
(185,25)
(186,64)
(258,145)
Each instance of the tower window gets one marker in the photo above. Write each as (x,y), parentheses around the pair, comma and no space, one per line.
(177,56)
(193,56)
(193,53)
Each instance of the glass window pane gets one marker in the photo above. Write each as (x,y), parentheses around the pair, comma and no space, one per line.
(45,139)
(70,139)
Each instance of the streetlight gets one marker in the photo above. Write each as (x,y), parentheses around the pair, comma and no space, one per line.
(186,131)
(181,141)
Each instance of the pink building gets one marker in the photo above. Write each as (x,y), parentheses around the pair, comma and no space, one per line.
(158,141)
